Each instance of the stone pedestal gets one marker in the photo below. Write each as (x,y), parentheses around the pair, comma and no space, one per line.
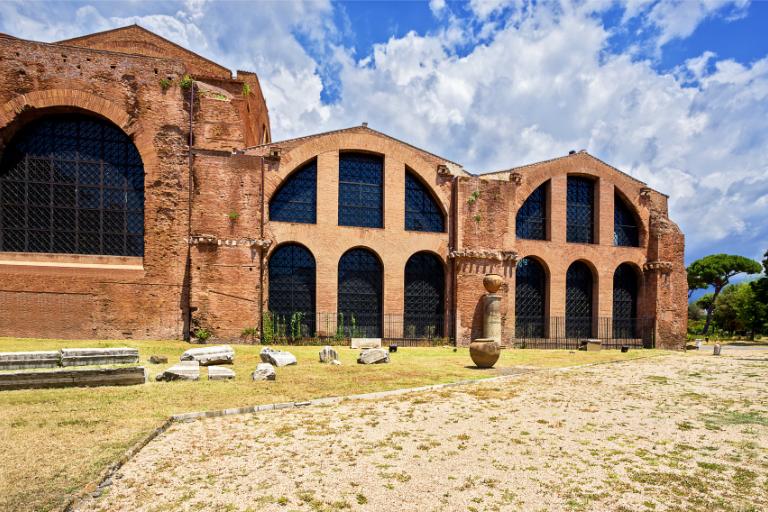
(485,351)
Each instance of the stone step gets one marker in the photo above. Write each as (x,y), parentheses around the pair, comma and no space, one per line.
(25,360)
(73,378)
(94,356)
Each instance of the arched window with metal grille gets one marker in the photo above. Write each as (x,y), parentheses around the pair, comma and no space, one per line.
(578,301)
(531,220)
(296,199)
(424,291)
(360,294)
(361,193)
(625,228)
(530,299)
(625,286)
(74,184)
(422,212)
(292,287)
(580,210)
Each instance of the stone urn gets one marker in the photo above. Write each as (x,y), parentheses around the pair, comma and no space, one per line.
(484,352)
(492,282)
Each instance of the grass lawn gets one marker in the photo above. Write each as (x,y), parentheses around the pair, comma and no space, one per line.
(54,442)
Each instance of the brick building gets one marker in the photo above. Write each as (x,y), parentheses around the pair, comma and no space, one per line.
(112,226)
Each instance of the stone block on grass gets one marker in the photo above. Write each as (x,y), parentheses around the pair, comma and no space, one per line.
(373,356)
(206,356)
(185,370)
(98,356)
(220,373)
(25,360)
(277,357)
(264,371)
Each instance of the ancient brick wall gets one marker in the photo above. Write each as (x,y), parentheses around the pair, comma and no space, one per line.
(82,296)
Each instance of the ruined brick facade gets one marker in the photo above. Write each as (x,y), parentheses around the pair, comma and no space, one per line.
(207,233)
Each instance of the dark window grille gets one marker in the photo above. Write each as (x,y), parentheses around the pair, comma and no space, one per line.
(578,301)
(530,296)
(625,301)
(292,287)
(422,212)
(361,195)
(625,230)
(296,199)
(72,184)
(424,287)
(360,293)
(531,221)
(580,210)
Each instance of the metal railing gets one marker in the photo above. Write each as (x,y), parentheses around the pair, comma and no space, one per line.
(337,328)
(568,333)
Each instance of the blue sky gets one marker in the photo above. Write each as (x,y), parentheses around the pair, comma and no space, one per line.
(674,93)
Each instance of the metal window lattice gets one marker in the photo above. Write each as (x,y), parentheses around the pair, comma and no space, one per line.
(531,221)
(578,301)
(72,184)
(530,282)
(296,200)
(624,302)
(580,210)
(422,212)
(360,293)
(424,292)
(625,230)
(292,287)
(361,195)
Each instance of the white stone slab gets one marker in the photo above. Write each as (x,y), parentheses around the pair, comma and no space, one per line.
(277,357)
(185,370)
(92,356)
(24,360)
(206,356)
(220,373)
(366,343)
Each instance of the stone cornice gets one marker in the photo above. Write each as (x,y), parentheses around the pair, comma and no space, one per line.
(664,267)
(204,239)
(484,254)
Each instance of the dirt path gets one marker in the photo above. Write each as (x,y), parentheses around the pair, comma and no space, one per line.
(672,433)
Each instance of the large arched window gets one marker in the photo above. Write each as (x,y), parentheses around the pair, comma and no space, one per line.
(360,294)
(578,301)
(292,287)
(422,213)
(424,291)
(296,199)
(625,230)
(581,210)
(625,285)
(531,220)
(361,194)
(530,299)
(71,183)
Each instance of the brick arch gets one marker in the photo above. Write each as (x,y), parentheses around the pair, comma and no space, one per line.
(84,101)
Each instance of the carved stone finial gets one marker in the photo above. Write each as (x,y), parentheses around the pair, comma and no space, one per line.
(516,178)
(443,170)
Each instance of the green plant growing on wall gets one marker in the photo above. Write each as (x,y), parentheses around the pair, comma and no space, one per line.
(267,328)
(473,197)
(165,84)
(478,218)
(233,216)
(250,334)
(202,334)
(186,82)
(296,319)
(339,327)
(246,89)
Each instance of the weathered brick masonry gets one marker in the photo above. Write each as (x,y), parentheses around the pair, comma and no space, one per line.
(207,233)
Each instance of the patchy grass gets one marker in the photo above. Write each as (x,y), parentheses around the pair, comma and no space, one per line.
(56,441)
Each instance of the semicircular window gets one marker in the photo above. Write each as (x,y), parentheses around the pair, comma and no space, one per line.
(530,295)
(73,184)
(292,287)
(422,213)
(424,291)
(578,301)
(531,220)
(296,199)
(625,281)
(625,230)
(360,294)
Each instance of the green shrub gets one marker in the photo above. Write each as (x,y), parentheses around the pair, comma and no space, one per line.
(186,82)
(202,334)
(246,89)
(165,83)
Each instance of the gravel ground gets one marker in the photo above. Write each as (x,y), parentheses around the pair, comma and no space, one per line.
(682,432)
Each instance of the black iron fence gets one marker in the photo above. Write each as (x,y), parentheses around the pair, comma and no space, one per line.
(568,333)
(338,328)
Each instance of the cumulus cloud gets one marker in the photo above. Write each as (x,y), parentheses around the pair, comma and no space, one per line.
(510,84)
